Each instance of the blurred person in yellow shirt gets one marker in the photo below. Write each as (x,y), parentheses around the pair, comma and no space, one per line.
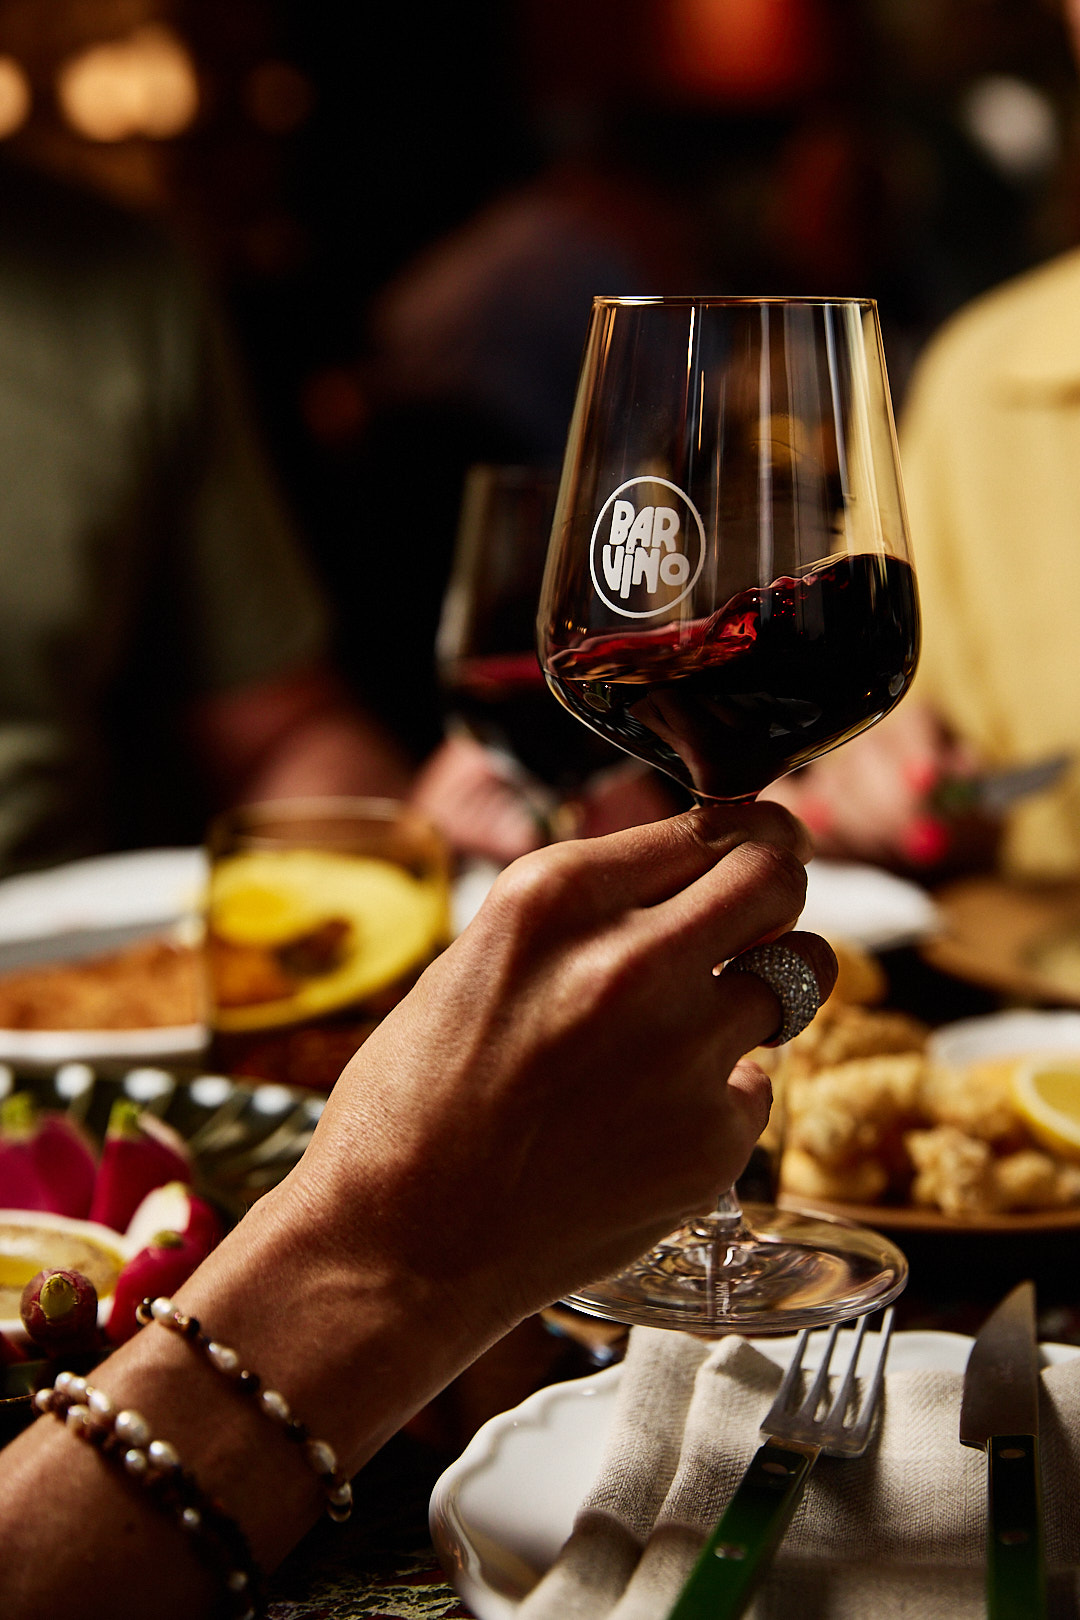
(990,450)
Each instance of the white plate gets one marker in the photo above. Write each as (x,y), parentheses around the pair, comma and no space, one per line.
(869,907)
(470,889)
(109,891)
(1005,1035)
(501,1513)
(112,896)
(844,901)
(165,1044)
(116,897)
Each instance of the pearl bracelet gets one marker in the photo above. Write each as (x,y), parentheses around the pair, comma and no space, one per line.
(319,1456)
(91,1415)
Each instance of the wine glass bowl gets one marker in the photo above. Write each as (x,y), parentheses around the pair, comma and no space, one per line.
(728,594)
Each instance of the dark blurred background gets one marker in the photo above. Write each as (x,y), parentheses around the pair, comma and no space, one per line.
(406,209)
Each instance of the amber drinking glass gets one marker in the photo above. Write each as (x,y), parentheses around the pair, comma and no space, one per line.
(321,914)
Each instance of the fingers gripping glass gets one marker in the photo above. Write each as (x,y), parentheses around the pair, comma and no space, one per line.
(728,594)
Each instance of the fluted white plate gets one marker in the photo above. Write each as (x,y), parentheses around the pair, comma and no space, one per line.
(501,1513)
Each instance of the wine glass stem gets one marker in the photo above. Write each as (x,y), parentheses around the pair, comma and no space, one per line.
(728,1211)
(719,1235)
(726,1218)
(725,1225)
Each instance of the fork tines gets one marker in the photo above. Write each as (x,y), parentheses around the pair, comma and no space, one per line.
(844,1430)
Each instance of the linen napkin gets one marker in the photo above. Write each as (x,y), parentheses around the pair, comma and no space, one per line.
(898,1534)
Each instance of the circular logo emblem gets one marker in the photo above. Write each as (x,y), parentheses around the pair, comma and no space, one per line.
(647,549)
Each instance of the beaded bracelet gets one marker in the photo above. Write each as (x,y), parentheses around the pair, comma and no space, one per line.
(319,1456)
(91,1415)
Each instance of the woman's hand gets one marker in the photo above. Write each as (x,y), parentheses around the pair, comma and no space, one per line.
(561,1086)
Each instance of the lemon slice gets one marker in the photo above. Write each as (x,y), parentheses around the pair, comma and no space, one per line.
(1046,1092)
(31,1241)
(267,898)
(251,913)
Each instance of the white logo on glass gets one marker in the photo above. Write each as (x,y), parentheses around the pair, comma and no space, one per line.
(646,554)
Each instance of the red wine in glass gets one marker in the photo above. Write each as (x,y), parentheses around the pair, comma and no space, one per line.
(490,676)
(503,700)
(775,677)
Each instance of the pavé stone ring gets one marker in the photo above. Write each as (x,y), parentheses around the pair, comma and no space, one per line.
(791,980)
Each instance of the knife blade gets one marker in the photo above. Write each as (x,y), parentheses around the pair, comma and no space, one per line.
(992,792)
(999,1414)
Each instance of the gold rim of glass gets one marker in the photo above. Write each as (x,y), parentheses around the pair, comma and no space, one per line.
(726,300)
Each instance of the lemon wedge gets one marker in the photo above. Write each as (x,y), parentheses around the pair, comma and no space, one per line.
(1046,1092)
(265,899)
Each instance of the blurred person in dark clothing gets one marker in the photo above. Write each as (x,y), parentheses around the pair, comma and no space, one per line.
(476,352)
(162,643)
(475,349)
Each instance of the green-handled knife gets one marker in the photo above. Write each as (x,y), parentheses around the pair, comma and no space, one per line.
(1000,1415)
(795,1432)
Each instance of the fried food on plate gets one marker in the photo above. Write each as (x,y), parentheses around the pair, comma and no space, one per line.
(155,983)
(863,1116)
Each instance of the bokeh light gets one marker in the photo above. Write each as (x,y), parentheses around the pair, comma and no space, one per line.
(744,50)
(1014,123)
(143,85)
(15,97)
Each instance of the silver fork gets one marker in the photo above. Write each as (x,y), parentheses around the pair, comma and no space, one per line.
(796,1430)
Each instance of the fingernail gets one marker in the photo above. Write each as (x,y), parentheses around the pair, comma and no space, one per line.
(925,841)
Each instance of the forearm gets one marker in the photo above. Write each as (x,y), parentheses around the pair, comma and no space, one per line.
(294,736)
(350,1342)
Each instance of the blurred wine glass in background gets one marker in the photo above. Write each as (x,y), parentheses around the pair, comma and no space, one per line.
(489,673)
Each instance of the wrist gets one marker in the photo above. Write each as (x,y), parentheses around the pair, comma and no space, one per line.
(353,1343)
(353,1339)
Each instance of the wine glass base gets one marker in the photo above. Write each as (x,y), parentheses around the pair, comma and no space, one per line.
(776,1271)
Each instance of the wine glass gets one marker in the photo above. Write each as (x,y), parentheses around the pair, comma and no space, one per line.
(728,594)
(489,673)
